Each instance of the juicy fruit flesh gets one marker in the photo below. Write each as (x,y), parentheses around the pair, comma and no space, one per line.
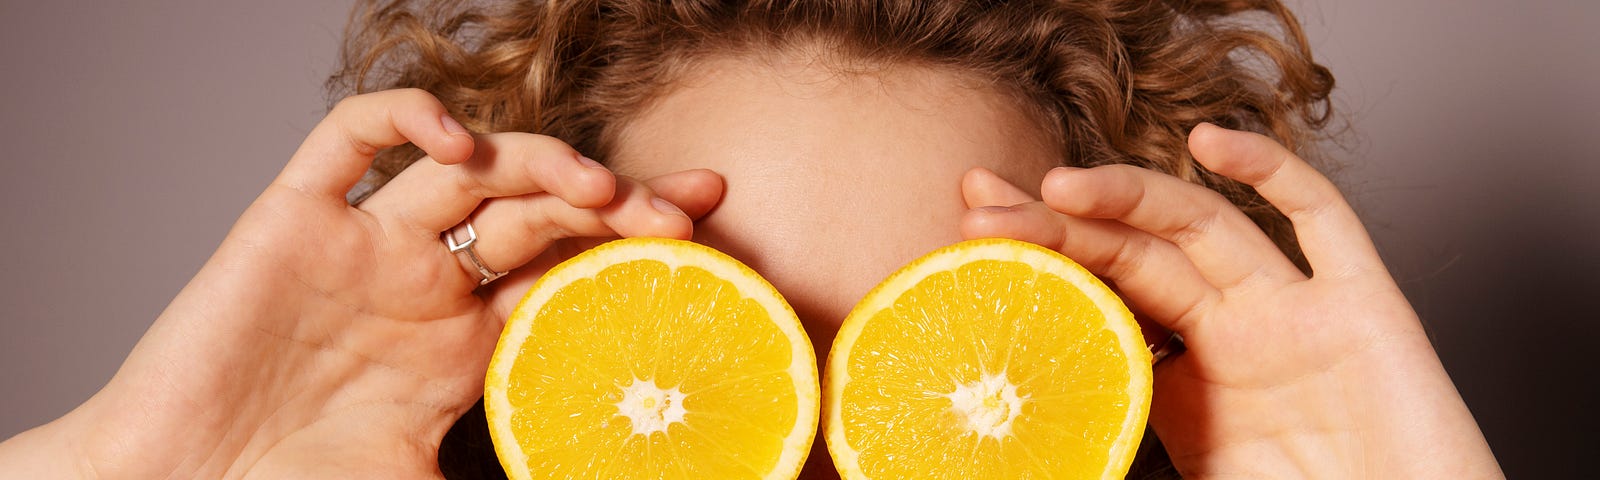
(645,370)
(990,370)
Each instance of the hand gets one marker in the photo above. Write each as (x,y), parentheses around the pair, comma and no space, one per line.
(329,341)
(1286,376)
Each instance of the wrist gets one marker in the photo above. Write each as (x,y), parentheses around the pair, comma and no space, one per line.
(52,450)
(1417,425)
(1390,411)
(1387,410)
(176,407)
(1384,410)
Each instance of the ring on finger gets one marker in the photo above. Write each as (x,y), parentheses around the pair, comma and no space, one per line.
(468,249)
(1173,345)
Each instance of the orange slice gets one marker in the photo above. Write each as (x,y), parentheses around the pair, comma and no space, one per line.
(652,358)
(988,359)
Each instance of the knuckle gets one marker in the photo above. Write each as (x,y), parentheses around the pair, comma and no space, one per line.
(1318,203)
(346,114)
(413,96)
(1267,166)
(1193,313)
(385,99)
(1127,257)
(540,222)
(352,141)
(1187,233)
(466,183)
(545,145)
(1260,276)
(344,105)
(1211,208)
(1310,212)
(1129,183)
(1122,200)
(1207,209)
(1109,206)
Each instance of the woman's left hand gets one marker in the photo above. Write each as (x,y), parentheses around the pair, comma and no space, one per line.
(1286,376)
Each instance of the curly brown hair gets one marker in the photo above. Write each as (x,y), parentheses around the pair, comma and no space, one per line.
(1117,81)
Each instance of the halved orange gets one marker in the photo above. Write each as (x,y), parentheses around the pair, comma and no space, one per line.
(987,359)
(652,358)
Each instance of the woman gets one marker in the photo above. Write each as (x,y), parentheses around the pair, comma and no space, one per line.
(824,143)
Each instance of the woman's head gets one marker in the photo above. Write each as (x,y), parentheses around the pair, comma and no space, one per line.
(1078,83)
(843,126)
(1110,81)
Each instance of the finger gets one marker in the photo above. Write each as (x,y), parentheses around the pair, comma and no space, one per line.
(696,192)
(341,147)
(432,198)
(513,230)
(1153,274)
(1226,247)
(981,187)
(1330,233)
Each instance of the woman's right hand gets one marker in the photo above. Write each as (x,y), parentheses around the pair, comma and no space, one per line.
(335,341)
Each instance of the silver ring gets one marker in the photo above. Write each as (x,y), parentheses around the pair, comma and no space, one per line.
(485,274)
(1173,345)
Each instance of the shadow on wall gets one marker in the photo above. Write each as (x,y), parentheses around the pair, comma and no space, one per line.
(1509,311)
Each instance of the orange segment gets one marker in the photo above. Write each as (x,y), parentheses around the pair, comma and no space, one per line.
(988,359)
(652,358)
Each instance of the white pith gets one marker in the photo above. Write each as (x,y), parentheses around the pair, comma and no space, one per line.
(988,405)
(649,408)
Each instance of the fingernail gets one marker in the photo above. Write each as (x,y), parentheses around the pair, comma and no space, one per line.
(452,126)
(995,209)
(589,162)
(664,206)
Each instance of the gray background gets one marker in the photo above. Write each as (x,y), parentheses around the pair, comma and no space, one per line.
(134,133)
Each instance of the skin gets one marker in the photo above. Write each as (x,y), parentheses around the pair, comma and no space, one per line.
(834,181)
(351,360)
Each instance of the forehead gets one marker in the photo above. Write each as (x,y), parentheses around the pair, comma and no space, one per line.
(787,109)
(833,178)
